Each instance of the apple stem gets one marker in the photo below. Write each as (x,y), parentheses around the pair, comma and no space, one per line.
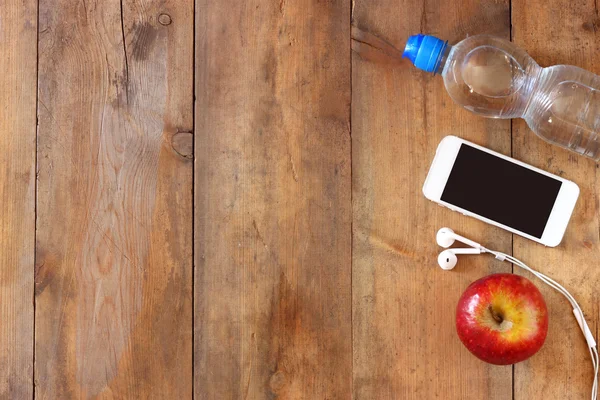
(497,316)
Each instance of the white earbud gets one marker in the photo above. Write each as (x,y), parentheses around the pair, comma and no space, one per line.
(446,237)
(447,258)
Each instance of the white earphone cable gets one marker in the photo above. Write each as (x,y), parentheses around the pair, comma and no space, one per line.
(576,310)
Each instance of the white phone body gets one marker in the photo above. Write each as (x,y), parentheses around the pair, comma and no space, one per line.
(441,168)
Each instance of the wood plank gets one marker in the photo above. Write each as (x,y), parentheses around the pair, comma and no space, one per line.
(273,207)
(114,251)
(18,33)
(405,343)
(558,32)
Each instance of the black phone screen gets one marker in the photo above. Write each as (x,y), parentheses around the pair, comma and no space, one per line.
(501,191)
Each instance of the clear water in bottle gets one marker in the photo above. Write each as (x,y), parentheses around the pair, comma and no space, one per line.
(492,77)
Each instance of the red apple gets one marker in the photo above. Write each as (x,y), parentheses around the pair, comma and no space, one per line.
(502,319)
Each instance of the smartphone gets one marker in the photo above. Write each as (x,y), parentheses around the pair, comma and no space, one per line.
(501,191)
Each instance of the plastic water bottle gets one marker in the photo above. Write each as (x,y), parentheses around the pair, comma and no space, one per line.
(492,77)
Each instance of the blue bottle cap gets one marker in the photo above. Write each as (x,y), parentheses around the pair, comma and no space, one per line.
(425,51)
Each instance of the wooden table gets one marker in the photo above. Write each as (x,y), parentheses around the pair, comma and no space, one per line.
(224,199)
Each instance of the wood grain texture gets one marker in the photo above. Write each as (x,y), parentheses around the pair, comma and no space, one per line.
(18,32)
(405,344)
(114,253)
(273,206)
(557,32)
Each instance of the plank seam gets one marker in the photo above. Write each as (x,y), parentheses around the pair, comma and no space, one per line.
(351,21)
(35,187)
(193,200)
